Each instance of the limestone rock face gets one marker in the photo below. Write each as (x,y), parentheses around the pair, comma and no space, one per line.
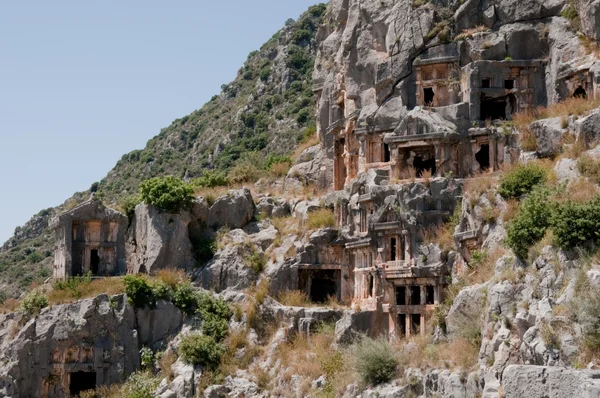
(550,382)
(234,210)
(103,335)
(312,168)
(466,309)
(158,240)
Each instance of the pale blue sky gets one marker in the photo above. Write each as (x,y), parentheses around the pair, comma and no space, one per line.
(83,82)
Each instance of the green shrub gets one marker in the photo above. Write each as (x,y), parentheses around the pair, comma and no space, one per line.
(247,169)
(140,385)
(34,258)
(129,203)
(169,194)
(256,262)
(146,358)
(530,224)
(197,349)
(576,223)
(375,361)
(215,326)
(210,179)
(161,291)
(208,304)
(185,298)
(75,285)
(139,291)
(521,180)
(274,159)
(34,302)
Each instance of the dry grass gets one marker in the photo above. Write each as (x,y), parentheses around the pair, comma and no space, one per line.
(442,234)
(408,173)
(172,277)
(572,148)
(475,187)
(321,218)
(456,353)
(165,362)
(511,211)
(9,305)
(581,191)
(481,267)
(564,109)
(294,298)
(469,33)
(109,286)
(309,142)
(286,225)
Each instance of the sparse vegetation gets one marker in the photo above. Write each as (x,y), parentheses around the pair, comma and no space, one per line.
(321,218)
(34,303)
(375,361)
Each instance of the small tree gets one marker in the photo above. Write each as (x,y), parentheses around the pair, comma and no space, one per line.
(521,180)
(531,223)
(169,194)
(375,361)
(34,302)
(196,349)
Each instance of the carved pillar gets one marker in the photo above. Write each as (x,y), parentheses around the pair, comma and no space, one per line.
(362,153)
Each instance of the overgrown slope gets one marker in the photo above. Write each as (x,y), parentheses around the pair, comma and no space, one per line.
(268,108)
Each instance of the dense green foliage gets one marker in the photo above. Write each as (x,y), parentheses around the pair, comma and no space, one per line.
(376,361)
(167,193)
(34,302)
(531,223)
(139,292)
(521,180)
(576,223)
(201,350)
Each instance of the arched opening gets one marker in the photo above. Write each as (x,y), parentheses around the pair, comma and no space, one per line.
(580,93)
(428,96)
(483,157)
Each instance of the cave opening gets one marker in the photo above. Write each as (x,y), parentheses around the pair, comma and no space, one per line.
(81,381)
(580,93)
(483,157)
(428,96)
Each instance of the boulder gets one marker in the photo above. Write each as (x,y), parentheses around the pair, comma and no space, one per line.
(549,134)
(550,382)
(228,270)
(466,310)
(234,210)
(157,240)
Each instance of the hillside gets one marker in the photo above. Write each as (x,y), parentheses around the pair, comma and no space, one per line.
(267,108)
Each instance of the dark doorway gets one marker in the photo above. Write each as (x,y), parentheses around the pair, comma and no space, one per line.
(415,295)
(387,156)
(430,293)
(94,262)
(421,165)
(493,108)
(324,285)
(428,94)
(82,381)
(415,324)
(402,325)
(400,295)
(580,93)
(77,265)
(371,284)
(509,84)
(483,157)
(393,247)
(486,83)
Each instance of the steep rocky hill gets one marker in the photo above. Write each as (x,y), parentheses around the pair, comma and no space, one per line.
(268,108)
(440,240)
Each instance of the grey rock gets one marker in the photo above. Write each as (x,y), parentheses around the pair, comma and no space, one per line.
(550,382)
(234,210)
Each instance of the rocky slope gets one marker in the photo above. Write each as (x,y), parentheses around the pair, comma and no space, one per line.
(268,109)
(512,324)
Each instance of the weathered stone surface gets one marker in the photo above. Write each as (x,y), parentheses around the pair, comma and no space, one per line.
(99,333)
(549,134)
(550,382)
(158,240)
(227,270)
(234,210)
(466,310)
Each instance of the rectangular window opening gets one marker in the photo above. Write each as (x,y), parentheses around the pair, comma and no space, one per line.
(415,295)
(400,295)
(509,84)
(486,83)
(430,295)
